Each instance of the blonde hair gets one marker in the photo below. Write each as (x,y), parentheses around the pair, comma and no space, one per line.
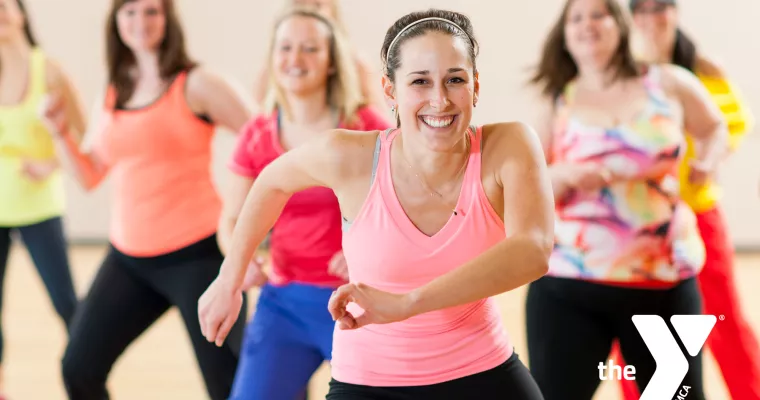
(343,85)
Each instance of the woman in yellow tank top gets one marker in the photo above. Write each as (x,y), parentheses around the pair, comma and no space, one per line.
(732,342)
(31,185)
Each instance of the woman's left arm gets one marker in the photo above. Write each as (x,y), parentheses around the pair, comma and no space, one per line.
(209,94)
(702,120)
(523,256)
(518,260)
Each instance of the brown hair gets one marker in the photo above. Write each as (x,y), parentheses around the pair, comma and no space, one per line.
(343,86)
(453,24)
(172,59)
(27,24)
(557,68)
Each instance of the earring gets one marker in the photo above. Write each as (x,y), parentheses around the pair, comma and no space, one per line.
(393,108)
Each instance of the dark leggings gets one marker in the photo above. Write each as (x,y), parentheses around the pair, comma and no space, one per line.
(571,325)
(46,245)
(510,380)
(127,296)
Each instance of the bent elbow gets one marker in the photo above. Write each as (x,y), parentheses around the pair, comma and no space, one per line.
(545,245)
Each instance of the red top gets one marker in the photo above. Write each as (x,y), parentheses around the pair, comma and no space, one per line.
(309,231)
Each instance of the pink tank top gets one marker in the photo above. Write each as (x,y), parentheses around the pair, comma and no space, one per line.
(384,249)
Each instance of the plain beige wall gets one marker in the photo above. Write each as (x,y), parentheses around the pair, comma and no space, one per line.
(230,37)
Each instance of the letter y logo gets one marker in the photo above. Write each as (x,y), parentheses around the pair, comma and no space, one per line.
(672,365)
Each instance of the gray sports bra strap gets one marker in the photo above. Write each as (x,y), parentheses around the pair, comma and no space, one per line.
(376,156)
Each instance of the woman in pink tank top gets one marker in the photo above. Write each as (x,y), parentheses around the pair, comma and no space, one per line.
(152,136)
(440,216)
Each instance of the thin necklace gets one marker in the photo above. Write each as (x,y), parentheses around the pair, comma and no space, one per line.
(459,173)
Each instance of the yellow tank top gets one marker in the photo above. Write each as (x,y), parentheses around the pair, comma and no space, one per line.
(23,136)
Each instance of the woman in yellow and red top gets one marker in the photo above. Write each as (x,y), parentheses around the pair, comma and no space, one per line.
(732,341)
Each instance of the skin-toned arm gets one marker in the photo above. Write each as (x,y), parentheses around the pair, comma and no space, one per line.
(209,94)
(59,82)
(726,96)
(323,161)
(62,114)
(702,120)
(237,188)
(519,259)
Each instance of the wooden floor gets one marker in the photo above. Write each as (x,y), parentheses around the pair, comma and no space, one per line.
(160,364)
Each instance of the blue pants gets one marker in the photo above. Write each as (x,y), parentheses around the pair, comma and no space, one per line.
(288,338)
(46,243)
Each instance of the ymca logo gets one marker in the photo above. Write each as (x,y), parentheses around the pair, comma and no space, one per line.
(672,365)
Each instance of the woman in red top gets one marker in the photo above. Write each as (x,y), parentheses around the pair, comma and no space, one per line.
(313,88)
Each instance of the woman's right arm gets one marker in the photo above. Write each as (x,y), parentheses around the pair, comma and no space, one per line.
(87,167)
(238,188)
(62,115)
(331,160)
(317,163)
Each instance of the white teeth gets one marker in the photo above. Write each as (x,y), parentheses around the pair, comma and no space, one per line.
(438,122)
(296,72)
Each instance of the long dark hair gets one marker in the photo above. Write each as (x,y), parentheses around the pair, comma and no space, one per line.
(684,51)
(172,59)
(557,68)
(27,24)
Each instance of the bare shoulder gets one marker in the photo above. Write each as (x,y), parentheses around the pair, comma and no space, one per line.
(352,151)
(202,82)
(510,139)
(709,67)
(676,80)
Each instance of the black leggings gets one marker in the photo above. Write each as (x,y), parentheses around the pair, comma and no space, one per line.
(127,296)
(510,380)
(46,245)
(571,325)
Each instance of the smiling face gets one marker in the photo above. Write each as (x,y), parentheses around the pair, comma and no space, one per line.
(435,88)
(142,24)
(301,56)
(591,33)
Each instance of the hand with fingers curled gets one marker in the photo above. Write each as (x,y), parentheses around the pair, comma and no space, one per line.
(380,307)
(219,308)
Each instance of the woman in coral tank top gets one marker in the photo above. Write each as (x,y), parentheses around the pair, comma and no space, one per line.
(152,136)
(439,216)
